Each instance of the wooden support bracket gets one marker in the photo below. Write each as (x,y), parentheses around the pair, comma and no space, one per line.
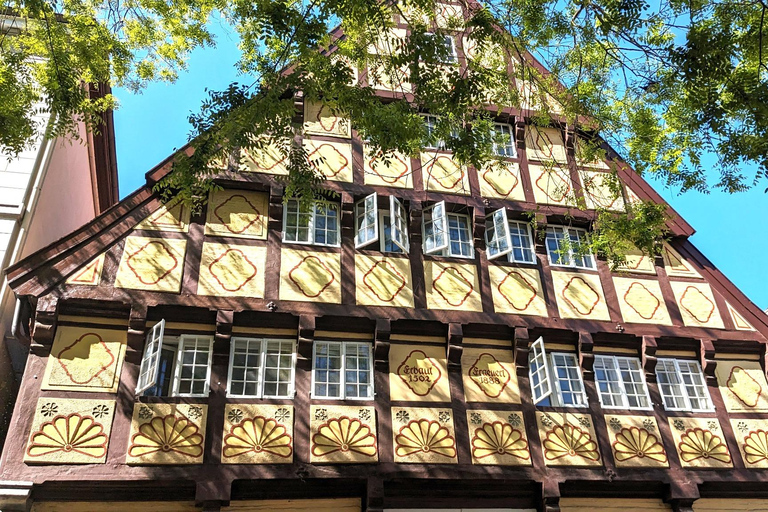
(46,319)
(455,347)
(585,351)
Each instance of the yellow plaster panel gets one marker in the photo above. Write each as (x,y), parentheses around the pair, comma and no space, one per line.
(700,443)
(490,56)
(489,376)
(488,341)
(552,185)
(442,174)
(742,385)
(636,442)
(502,180)
(423,435)
(257,434)
(388,42)
(452,286)
(498,438)
(317,505)
(67,431)
(270,158)
(310,276)
(383,281)
(112,506)
(676,265)
(599,192)
(232,270)
(533,98)
(448,15)
(382,76)
(172,216)
(697,304)
(597,163)
(752,437)
(342,434)
(613,505)
(580,296)
(517,290)
(568,439)
(320,119)
(333,160)
(738,320)
(90,273)
(154,264)
(167,434)
(390,171)
(638,261)
(729,505)
(418,374)
(641,301)
(85,359)
(238,213)
(544,144)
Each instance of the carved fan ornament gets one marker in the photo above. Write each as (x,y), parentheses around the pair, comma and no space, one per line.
(570,441)
(425,436)
(168,434)
(71,433)
(258,435)
(756,447)
(344,435)
(697,443)
(499,438)
(638,443)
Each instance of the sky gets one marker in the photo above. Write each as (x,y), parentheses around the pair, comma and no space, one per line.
(150,125)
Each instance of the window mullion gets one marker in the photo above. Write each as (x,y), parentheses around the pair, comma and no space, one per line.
(179,363)
(622,384)
(683,387)
(343,372)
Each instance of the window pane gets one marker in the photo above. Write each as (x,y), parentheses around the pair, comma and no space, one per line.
(608,382)
(670,385)
(568,379)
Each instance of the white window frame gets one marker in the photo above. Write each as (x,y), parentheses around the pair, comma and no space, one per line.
(363,209)
(531,247)
(558,394)
(682,386)
(263,343)
(538,356)
(398,230)
(623,395)
(448,251)
(343,369)
(496,232)
(429,124)
(453,56)
(312,224)
(438,217)
(569,259)
(384,221)
(499,128)
(178,366)
(150,359)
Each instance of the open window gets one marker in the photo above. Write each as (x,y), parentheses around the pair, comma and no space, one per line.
(435,229)
(555,378)
(497,236)
(175,366)
(366,221)
(398,224)
(150,360)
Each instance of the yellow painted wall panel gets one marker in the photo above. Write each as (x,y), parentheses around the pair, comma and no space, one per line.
(442,174)
(725,505)
(112,506)
(418,373)
(612,505)
(489,376)
(310,276)
(517,290)
(453,286)
(383,281)
(502,180)
(232,271)
(393,170)
(580,296)
(320,119)
(153,264)
(238,213)
(321,505)
(552,185)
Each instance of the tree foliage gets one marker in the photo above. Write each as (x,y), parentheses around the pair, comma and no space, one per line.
(679,88)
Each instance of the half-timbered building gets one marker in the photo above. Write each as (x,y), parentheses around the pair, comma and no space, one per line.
(415,345)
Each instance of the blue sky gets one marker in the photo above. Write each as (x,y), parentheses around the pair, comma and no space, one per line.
(149,126)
